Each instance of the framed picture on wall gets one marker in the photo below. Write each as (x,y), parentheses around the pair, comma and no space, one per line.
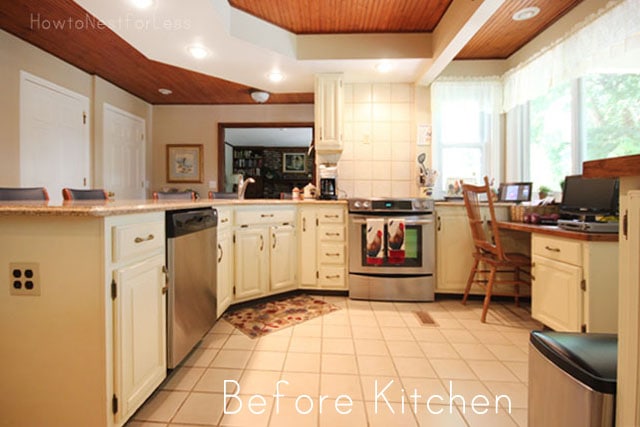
(184,163)
(294,162)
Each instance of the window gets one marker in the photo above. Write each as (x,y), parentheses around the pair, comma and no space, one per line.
(466,130)
(594,117)
(550,138)
(610,115)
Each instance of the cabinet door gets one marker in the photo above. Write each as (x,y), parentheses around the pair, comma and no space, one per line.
(307,253)
(251,262)
(140,332)
(282,257)
(454,248)
(225,271)
(328,112)
(556,297)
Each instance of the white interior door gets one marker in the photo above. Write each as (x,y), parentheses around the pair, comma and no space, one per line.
(124,154)
(54,136)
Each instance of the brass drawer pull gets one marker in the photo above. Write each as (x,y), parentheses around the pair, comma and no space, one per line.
(331,216)
(221,253)
(332,234)
(223,220)
(266,215)
(332,254)
(144,239)
(335,276)
(549,248)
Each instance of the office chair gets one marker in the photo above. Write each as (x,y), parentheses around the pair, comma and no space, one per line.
(34,193)
(489,251)
(75,194)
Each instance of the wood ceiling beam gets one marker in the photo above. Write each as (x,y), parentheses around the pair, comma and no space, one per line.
(364,46)
(463,19)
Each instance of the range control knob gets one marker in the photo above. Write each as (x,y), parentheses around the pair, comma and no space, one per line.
(365,204)
(356,204)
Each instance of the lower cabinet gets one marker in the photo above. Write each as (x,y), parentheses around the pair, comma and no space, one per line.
(138,294)
(265,250)
(140,332)
(454,246)
(575,284)
(323,260)
(225,270)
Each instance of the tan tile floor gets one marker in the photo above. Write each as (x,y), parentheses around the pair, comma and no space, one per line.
(347,354)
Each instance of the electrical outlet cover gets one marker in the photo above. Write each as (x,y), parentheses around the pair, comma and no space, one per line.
(24,278)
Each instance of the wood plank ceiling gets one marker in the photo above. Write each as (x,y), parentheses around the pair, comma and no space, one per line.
(93,47)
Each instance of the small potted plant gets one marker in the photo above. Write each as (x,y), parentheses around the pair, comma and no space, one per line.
(543,191)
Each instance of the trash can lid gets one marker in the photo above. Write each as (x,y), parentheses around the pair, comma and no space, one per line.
(589,358)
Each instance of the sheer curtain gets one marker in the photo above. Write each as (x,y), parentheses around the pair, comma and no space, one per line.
(467,128)
(606,41)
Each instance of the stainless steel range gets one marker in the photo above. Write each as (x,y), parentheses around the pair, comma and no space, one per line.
(392,249)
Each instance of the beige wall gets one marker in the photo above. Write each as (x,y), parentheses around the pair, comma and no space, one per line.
(198,124)
(17,55)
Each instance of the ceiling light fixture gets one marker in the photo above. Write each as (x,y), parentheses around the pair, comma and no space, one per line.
(165,91)
(526,13)
(259,96)
(142,4)
(383,67)
(198,51)
(276,76)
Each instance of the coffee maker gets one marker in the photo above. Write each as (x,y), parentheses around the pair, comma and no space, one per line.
(328,175)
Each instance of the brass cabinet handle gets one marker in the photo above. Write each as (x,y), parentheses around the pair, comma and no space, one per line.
(266,215)
(533,265)
(144,239)
(335,276)
(332,254)
(331,234)
(273,235)
(304,223)
(549,248)
(221,253)
(331,216)
(223,220)
(261,243)
(439,223)
(165,289)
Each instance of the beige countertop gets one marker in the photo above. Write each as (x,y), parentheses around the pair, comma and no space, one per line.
(125,207)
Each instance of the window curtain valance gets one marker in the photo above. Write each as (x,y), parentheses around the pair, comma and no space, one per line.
(607,42)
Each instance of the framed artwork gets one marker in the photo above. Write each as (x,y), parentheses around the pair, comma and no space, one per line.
(184,163)
(454,187)
(294,162)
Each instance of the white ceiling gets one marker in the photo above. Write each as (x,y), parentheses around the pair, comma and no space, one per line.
(245,49)
(268,137)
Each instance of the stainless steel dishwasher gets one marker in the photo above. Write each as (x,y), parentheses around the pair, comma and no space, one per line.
(191,263)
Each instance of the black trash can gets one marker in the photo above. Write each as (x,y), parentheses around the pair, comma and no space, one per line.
(572,379)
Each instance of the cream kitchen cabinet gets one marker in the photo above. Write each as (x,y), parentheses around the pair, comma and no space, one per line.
(225,260)
(454,246)
(575,284)
(138,292)
(265,251)
(322,262)
(329,100)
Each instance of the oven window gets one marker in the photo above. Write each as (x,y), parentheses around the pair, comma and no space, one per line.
(390,253)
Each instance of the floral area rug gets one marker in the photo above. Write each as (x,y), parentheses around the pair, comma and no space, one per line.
(270,316)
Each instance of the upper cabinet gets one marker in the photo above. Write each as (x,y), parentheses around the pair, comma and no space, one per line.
(329,100)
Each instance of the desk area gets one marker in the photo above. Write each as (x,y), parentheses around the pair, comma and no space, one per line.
(574,277)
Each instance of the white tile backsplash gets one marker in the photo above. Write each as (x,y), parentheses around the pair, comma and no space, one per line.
(379,148)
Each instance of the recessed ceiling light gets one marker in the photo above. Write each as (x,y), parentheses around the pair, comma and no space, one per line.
(276,76)
(526,13)
(165,91)
(383,67)
(142,4)
(198,51)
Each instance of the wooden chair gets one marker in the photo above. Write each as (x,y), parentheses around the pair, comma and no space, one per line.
(489,252)
(79,194)
(34,193)
(174,195)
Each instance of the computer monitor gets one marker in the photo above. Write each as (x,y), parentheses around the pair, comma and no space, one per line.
(514,192)
(588,197)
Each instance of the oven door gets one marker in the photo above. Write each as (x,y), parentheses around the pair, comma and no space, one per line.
(419,246)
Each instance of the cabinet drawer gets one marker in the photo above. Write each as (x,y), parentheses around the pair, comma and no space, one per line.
(331,253)
(225,217)
(136,239)
(331,277)
(563,250)
(333,216)
(333,233)
(267,216)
